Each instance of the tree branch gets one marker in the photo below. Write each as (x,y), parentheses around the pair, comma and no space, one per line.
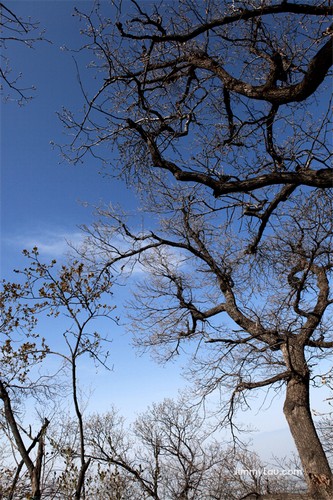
(241,15)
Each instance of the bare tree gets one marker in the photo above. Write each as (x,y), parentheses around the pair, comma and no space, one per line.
(21,351)
(176,445)
(219,113)
(171,453)
(325,418)
(276,303)
(77,294)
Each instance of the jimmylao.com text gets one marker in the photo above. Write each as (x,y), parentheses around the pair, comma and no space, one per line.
(268,472)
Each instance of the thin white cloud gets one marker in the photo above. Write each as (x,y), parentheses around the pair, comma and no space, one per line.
(51,243)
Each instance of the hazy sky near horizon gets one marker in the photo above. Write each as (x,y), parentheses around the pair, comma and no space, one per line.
(44,200)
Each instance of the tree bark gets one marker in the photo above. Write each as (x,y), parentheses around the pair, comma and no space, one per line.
(317,472)
(35,486)
(33,470)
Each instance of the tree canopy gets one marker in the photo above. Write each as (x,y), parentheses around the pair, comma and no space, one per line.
(220,114)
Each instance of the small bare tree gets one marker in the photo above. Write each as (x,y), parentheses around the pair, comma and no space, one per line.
(21,351)
(76,294)
(171,453)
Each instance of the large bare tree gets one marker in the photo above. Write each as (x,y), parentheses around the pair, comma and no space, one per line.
(221,117)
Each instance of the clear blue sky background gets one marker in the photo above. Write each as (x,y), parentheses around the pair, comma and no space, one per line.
(40,205)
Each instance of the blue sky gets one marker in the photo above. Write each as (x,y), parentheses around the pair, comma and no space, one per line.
(42,203)
(41,194)
(44,199)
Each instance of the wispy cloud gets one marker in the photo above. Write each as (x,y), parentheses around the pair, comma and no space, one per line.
(50,243)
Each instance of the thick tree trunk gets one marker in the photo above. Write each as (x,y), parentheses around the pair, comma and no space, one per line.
(317,472)
(35,486)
